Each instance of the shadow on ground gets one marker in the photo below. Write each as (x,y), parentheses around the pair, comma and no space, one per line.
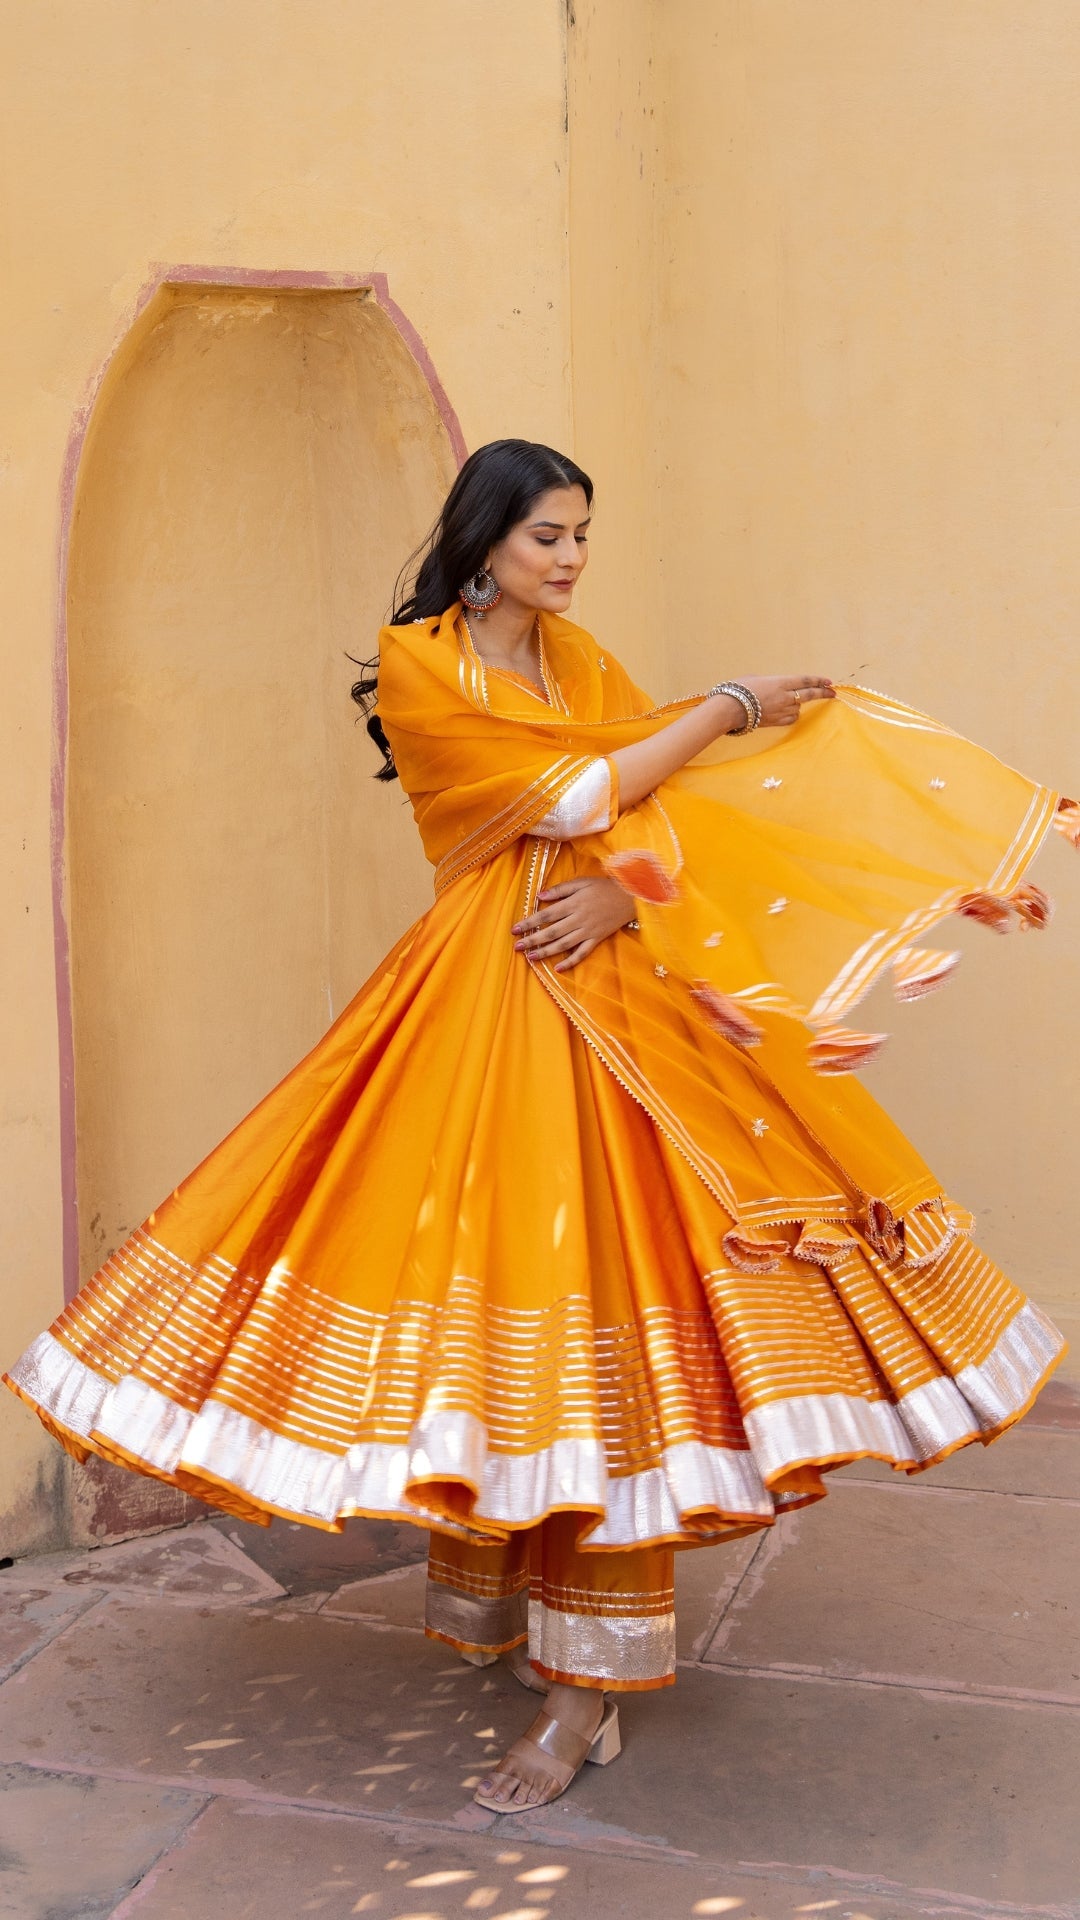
(877,1716)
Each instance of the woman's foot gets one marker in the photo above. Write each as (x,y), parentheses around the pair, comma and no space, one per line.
(577,1725)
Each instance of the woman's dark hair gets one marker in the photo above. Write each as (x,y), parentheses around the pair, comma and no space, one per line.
(497,487)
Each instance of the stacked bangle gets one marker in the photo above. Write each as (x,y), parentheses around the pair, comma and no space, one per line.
(747,700)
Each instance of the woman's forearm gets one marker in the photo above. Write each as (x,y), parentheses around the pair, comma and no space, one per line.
(591,802)
(642,767)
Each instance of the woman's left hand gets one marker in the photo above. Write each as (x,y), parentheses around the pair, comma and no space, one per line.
(573,919)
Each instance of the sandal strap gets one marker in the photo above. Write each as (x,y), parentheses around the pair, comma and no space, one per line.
(560,1750)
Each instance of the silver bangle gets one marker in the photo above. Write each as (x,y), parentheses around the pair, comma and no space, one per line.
(747,700)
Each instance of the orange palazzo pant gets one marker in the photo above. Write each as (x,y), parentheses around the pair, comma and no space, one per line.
(588,1618)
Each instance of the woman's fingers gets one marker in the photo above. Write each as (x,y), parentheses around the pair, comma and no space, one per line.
(557,938)
(539,921)
(552,948)
(551,897)
(800,689)
(579,953)
(782,696)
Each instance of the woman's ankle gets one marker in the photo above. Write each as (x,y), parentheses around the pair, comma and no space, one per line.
(579,1707)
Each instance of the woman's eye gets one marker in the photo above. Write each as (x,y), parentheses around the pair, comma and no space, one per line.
(543,542)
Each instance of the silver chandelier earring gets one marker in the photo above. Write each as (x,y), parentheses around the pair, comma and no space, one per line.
(481,593)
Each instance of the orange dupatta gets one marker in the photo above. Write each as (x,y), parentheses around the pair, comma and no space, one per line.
(777,875)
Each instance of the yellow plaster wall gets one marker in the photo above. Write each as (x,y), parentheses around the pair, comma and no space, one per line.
(253,460)
(405,136)
(617,191)
(868,427)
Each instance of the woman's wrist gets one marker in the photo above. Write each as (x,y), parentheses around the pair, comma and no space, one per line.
(731,715)
(744,699)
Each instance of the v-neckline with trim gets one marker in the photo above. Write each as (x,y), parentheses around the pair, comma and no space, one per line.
(547,696)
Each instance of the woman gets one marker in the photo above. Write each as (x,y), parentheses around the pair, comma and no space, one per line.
(564,1242)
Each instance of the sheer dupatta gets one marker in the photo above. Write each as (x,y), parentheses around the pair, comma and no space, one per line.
(781,874)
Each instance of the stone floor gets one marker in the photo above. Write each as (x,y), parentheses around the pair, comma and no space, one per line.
(877,1716)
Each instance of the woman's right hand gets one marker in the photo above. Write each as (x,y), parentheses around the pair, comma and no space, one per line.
(643,766)
(782,697)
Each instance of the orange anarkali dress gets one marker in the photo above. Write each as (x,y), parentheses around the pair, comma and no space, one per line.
(575,1269)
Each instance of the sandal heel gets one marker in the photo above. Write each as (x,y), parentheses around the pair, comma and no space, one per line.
(607,1744)
(480,1659)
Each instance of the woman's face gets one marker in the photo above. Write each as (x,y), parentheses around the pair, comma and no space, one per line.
(538,564)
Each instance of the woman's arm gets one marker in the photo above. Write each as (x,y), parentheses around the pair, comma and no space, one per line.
(607,786)
(576,916)
(642,767)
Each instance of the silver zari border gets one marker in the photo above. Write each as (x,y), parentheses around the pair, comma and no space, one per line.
(491,1623)
(519,1490)
(624,1648)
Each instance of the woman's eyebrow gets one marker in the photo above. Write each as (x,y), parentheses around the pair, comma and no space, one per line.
(559,526)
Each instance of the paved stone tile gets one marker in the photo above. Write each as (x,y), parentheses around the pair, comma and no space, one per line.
(1033,1460)
(763,1773)
(32,1614)
(393,1599)
(191,1567)
(305,1560)
(297,1705)
(885,1785)
(1058,1405)
(71,1848)
(254,1863)
(705,1579)
(966,1590)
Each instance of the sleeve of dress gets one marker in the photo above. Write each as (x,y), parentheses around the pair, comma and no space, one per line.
(589,805)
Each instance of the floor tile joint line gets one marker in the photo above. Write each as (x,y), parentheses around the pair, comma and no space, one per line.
(791,1873)
(22,1661)
(149,1875)
(1053,1703)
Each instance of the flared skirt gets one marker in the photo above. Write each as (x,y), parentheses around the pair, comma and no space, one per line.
(463,1268)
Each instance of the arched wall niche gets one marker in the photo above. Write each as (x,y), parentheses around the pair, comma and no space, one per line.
(257,464)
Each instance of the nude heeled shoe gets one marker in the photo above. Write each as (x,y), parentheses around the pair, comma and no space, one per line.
(522,1672)
(551,1748)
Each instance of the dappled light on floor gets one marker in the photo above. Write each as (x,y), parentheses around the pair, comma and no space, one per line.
(228,1724)
(503,1888)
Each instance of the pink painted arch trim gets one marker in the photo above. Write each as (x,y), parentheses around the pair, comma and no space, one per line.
(161,276)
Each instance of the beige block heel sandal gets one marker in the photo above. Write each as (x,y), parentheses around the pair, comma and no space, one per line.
(521,1670)
(549,1747)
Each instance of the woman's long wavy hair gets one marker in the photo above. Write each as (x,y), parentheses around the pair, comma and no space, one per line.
(496,488)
